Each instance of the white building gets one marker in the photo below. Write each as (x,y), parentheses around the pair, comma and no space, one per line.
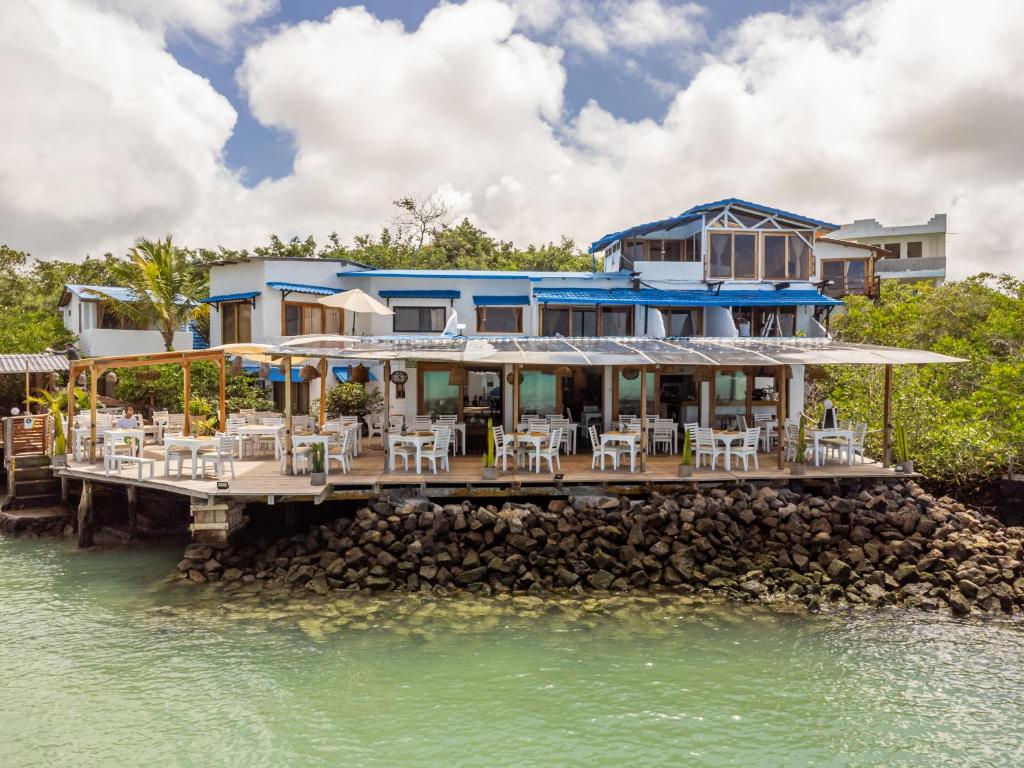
(723,269)
(86,313)
(913,253)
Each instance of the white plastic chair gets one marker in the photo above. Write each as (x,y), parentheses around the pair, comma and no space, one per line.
(601,451)
(438,452)
(748,448)
(422,423)
(502,448)
(399,450)
(662,435)
(549,452)
(708,446)
(222,452)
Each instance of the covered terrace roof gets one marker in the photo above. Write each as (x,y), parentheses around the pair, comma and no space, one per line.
(685,298)
(557,351)
(39,362)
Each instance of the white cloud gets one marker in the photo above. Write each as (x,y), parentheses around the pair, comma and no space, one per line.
(213,19)
(895,109)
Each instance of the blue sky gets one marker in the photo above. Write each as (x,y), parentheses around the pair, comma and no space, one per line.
(260,152)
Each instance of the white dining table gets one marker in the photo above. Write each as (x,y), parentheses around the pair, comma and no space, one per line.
(727,438)
(415,439)
(632,439)
(536,439)
(136,434)
(261,430)
(193,443)
(817,435)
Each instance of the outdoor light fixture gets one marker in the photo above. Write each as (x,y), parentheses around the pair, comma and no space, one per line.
(360,374)
(222,485)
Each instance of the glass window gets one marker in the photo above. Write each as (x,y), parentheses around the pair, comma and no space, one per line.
(833,270)
(681,322)
(616,322)
(730,386)
(632,251)
(856,275)
(419,319)
(440,397)
(629,394)
(672,250)
(721,255)
(292,319)
(499,319)
(584,322)
(799,260)
(555,321)
(775,257)
(654,250)
(537,392)
(335,321)
(312,318)
(893,249)
(745,256)
(301,318)
(691,248)
(914,250)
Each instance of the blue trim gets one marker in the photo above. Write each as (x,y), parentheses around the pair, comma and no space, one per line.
(427,274)
(318,290)
(656,297)
(501,301)
(343,372)
(694,213)
(230,297)
(420,294)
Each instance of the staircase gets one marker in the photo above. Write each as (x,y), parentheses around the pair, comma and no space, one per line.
(31,483)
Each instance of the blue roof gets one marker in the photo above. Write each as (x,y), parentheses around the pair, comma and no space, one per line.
(230,297)
(344,372)
(469,274)
(501,301)
(420,294)
(318,290)
(93,292)
(656,297)
(694,213)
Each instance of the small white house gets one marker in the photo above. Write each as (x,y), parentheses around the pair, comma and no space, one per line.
(86,313)
(912,253)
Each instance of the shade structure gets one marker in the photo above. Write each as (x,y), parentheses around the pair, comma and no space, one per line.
(631,351)
(356,301)
(258,353)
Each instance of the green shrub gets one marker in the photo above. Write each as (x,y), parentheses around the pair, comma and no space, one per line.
(352,399)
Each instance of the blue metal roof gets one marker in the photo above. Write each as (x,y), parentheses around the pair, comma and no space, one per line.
(93,292)
(344,373)
(420,294)
(501,301)
(470,274)
(694,213)
(318,290)
(230,297)
(656,297)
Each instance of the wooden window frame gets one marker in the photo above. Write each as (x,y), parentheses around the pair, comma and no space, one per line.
(232,306)
(323,316)
(481,317)
(844,289)
(629,309)
(698,311)
(759,236)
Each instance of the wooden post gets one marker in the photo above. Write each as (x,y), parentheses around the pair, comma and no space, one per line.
(288,414)
(93,374)
(515,397)
(85,515)
(28,390)
(385,419)
(71,409)
(133,510)
(222,413)
(643,419)
(887,419)
(781,374)
(186,396)
(323,391)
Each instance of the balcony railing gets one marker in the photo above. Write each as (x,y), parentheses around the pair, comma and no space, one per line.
(853,286)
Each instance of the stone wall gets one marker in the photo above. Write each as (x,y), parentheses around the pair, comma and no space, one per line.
(881,543)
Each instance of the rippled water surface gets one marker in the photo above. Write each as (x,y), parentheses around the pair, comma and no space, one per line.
(107,663)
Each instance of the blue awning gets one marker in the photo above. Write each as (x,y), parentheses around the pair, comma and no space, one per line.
(420,294)
(501,301)
(344,372)
(657,297)
(316,290)
(230,297)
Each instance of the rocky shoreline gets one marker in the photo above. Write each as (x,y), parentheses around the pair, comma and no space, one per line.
(881,543)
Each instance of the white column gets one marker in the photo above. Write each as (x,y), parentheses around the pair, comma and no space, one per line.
(606,397)
(796,391)
(705,403)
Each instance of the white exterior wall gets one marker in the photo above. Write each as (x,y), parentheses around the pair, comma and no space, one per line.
(79,318)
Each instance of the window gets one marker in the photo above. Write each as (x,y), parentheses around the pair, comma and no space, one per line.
(419,319)
(538,393)
(235,322)
(300,318)
(106,319)
(914,250)
(586,321)
(775,257)
(733,255)
(893,249)
(629,394)
(439,397)
(730,387)
(499,319)
(847,276)
(721,255)
(617,321)
(682,322)
(765,321)
(632,251)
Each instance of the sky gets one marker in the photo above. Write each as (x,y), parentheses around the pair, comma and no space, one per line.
(223,121)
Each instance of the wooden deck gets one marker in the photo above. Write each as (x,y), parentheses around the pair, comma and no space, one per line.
(261,480)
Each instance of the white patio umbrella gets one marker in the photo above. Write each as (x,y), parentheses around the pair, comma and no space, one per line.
(356,301)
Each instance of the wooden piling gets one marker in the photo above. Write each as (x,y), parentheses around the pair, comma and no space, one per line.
(133,509)
(85,516)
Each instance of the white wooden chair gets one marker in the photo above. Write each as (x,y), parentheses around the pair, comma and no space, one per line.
(450,420)
(549,452)
(249,414)
(437,453)
(601,451)
(220,453)
(112,449)
(538,425)
(396,422)
(708,446)
(422,423)
(373,426)
(748,448)
(231,429)
(557,422)
(767,424)
(663,435)
(343,454)
(503,448)
(399,450)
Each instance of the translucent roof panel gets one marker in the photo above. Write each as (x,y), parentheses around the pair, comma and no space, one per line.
(716,352)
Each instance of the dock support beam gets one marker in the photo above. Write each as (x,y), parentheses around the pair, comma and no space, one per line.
(887,419)
(133,510)
(85,515)
(643,418)
(287,365)
(780,413)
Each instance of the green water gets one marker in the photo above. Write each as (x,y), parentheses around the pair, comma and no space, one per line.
(107,663)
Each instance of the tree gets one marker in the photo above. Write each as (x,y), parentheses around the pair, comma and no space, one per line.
(419,218)
(164,287)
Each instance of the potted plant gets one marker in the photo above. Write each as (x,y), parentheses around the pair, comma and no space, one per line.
(317,475)
(490,468)
(54,404)
(200,412)
(799,465)
(686,460)
(905,463)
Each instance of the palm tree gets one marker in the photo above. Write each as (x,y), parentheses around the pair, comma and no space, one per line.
(164,287)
